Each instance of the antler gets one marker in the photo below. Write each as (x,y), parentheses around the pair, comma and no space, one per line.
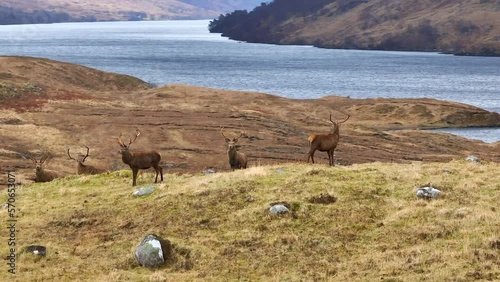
(348,116)
(28,155)
(222,131)
(242,131)
(136,135)
(120,140)
(44,158)
(71,156)
(88,150)
(338,122)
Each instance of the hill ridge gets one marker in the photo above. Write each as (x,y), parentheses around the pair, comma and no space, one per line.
(464,27)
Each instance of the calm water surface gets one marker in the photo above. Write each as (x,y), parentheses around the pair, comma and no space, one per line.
(165,52)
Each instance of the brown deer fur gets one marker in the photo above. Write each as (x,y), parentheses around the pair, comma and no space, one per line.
(85,169)
(42,174)
(140,160)
(237,160)
(325,142)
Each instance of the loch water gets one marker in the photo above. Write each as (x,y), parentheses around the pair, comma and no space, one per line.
(166,52)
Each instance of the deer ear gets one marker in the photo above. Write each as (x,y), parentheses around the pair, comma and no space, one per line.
(235,140)
(227,140)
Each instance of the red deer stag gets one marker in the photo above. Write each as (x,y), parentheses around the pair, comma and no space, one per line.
(140,160)
(237,160)
(42,174)
(85,169)
(326,142)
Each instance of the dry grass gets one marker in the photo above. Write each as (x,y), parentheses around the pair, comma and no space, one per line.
(221,229)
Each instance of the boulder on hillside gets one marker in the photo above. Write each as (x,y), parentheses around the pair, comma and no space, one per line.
(36,250)
(153,251)
(428,192)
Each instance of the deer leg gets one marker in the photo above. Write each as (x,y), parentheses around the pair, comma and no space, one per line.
(161,173)
(156,173)
(330,157)
(311,156)
(134,176)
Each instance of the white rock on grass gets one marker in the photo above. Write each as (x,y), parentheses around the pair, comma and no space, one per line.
(278,209)
(143,191)
(428,192)
(472,159)
(153,251)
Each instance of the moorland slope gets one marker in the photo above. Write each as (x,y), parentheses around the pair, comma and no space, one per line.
(468,27)
(51,106)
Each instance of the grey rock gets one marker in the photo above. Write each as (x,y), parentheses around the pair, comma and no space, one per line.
(428,192)
(209,171)
(36,250)
(250,199)
(143,191)
(472,158)
(153,251)
(278,209)
(279,170)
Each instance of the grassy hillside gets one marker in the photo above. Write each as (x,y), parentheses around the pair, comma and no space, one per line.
(459,27)
(48,11)
(221,229)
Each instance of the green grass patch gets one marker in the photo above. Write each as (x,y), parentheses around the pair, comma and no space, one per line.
(221,229)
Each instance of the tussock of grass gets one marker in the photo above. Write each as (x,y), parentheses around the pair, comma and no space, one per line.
(221,229)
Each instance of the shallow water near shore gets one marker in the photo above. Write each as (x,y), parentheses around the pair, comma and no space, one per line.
(485,134)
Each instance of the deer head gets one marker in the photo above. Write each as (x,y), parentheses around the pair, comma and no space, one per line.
(83,159)
(124,149)
(231,142)
(38,163)
(335,125)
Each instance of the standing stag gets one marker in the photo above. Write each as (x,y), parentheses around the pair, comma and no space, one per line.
(140,160)
(85,169)
(237,160)
(325,142)
(41,174)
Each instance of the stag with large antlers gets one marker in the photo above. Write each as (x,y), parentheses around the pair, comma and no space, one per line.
(85,169)
(237,160)
(42,174)
(140,160)
(326,142)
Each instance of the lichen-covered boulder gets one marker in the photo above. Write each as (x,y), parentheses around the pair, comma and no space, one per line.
(472,159)
(153,251)
(428,192)
(144,191)
(278,209)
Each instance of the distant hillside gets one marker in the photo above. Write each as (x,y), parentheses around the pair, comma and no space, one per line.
(51,11)
(50,106)
(468,27)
